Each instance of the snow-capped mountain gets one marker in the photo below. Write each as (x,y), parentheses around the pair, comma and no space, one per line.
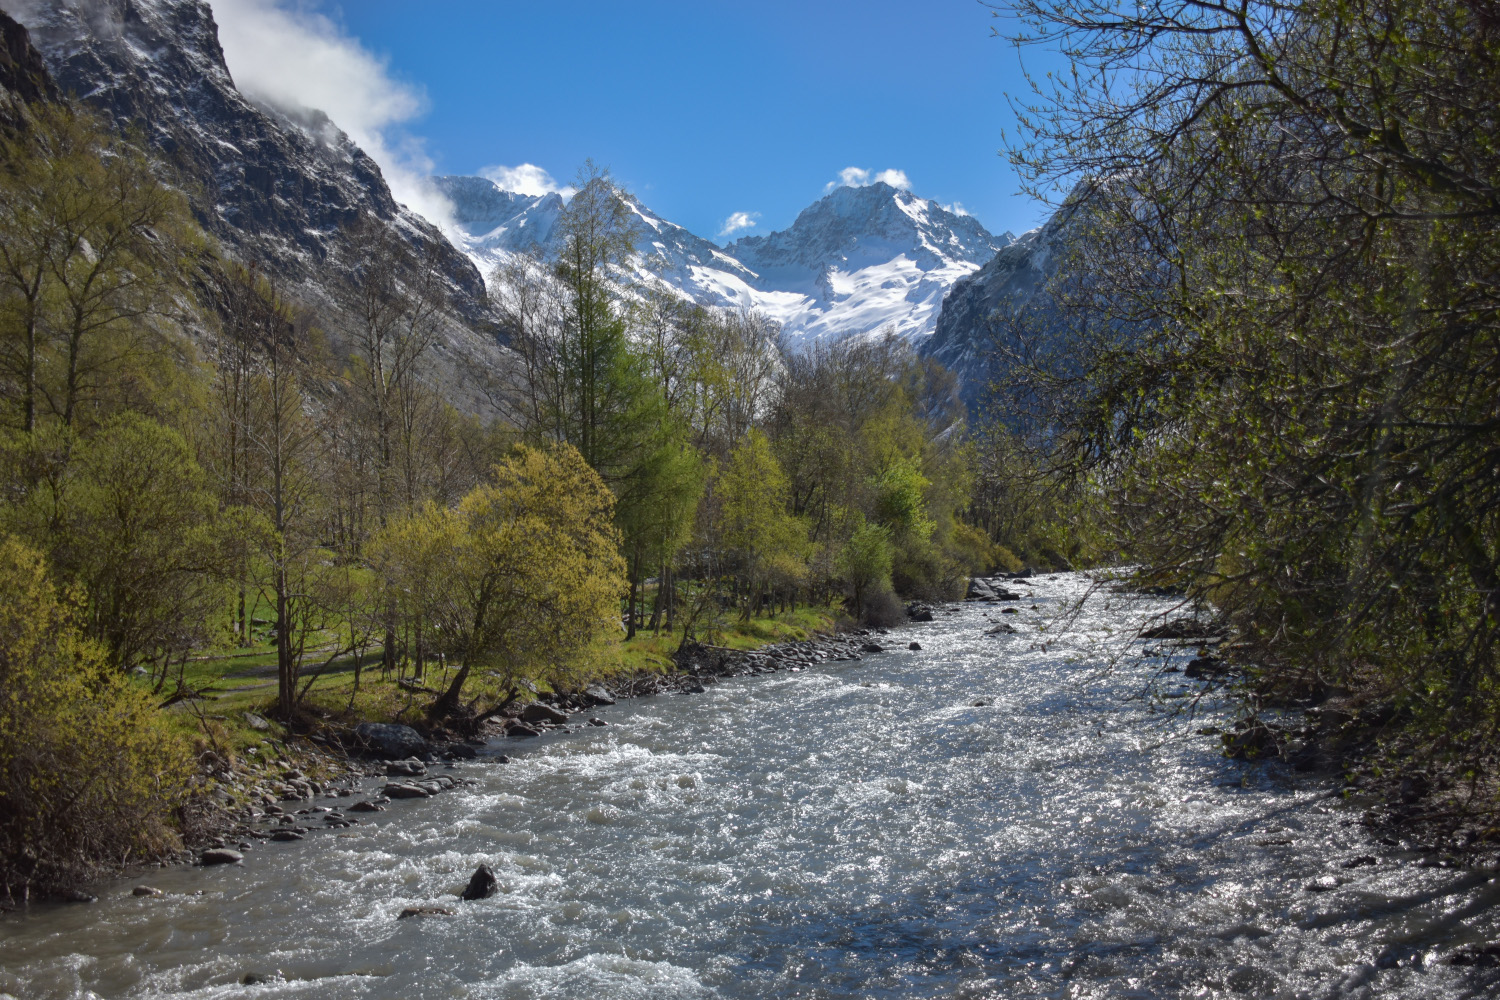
(863,260)
(857,262)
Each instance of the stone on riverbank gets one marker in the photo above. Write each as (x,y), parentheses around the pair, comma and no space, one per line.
(538,712)
(390,741)
(482,885)
(412,768)
(221,856)
(598,695)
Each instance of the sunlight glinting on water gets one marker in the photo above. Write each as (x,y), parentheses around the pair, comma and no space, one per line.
(858,829)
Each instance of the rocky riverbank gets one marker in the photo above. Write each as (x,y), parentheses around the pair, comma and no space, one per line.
(284,790)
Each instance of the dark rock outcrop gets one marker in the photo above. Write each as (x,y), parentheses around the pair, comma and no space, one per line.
(482,884)
(23,74)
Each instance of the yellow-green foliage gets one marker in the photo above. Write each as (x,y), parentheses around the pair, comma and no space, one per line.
(524,577)
(978,553)
(87,771)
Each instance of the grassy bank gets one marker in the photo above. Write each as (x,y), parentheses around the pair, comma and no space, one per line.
(227,702)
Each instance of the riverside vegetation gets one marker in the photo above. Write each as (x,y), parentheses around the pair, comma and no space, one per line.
(1272,348)
(221,524)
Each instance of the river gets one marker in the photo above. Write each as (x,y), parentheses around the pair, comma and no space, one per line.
(858,829)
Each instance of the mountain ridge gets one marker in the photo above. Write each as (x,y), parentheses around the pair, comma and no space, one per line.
(854,263)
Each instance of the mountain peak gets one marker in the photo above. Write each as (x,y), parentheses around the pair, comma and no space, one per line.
(854,263)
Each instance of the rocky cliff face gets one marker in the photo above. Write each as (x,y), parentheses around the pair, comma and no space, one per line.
(1000,310)
(274,188)
(23,74)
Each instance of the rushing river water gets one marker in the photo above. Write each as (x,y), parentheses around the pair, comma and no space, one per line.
(853,830)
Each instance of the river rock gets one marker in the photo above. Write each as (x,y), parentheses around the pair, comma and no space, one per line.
(1181,628)
(1485,956)
(146,890)
(390,741)
(1203,668)
(426,911)
(597,695)
(979,590)
(919,612)
(871,647)
(366,807)
(597,722)
(400,791)
(914,646)
(285,835)
(221,856)
(79,896)
(412,768)
(1003,628)
(482,884)
(538,712)
(521,731)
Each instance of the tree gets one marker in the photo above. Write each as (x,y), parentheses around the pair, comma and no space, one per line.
(92,251)
(531,572)
(754,521)
(128,517)
(87,769)
(865,562)
(1288,226)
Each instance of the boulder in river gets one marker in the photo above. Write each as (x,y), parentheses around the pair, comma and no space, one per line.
(871,647)
(914,646)
(919,612)
(366,807)
(426,911)
(538,712)
(521,731)
(146,890)
(390,741)
(1004,628)
(482,885)
(980,590)
(221,856)
(285,835)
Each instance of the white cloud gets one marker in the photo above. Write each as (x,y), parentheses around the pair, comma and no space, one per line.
(957,208)
(285,54)
(528,178)
(738,221)
(860,177)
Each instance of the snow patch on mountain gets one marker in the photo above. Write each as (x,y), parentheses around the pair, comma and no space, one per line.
(860,261)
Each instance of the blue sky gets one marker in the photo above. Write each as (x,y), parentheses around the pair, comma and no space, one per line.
(703,109)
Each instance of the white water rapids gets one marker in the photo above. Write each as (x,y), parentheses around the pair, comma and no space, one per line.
(857,829)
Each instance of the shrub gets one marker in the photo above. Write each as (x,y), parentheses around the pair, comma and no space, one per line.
(89,777)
